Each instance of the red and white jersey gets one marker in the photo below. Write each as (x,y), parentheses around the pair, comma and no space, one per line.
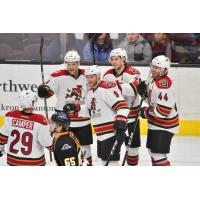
(161,97)
(105,103)
(128,79)
(26,135)
(69,89)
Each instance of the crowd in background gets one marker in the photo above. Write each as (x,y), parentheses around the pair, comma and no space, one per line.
(140,47)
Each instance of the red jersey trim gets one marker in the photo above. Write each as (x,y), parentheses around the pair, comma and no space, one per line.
(120,105)
(163,110)
(32,117)
(164,123)
(3,139)
(17,161)
(133,112)
(163,82)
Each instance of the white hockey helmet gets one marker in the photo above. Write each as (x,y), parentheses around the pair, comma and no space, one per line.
(118,52)
(161,61)
(26,99)
(72,56)
(92,70)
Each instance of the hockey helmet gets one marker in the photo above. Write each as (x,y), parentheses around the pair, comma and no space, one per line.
(118,52)
(61,118)
(92,70)
(26,99)
(72,56)
(161,61)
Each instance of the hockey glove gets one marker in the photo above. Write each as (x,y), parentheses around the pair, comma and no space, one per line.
(71,108)
(142,89)
(1,153)
(120,125)
(44,91)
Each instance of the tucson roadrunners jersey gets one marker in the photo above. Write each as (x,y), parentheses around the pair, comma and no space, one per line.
(129,91)
(105,103)
(163,113)
(69,89)
(26,135)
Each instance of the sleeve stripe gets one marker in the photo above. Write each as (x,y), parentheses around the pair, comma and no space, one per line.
(3,139)
(50,148)
(114,105)
(120,105)
(134,88)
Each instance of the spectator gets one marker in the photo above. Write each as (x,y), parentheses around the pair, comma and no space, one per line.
(137,48)
(53,51)
(163,45)
(78,43)
(102,47)
(186,47)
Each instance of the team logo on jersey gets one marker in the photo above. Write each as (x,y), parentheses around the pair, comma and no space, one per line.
(66,147)
(75,93)
(110,84)
(94,111)
(163,83)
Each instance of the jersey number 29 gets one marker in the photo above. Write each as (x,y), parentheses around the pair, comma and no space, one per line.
(26,140)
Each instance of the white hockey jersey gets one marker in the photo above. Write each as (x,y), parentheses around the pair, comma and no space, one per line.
(26,135)
(68,89)
(105,102)
(161,97)
(128,79)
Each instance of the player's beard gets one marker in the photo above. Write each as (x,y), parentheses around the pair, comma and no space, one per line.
(73,72)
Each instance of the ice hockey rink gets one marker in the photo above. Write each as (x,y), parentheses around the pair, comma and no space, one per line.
(185,151)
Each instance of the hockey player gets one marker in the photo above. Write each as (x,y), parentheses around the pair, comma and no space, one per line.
(67,150)
(127,74)
(70,86)
(25,133)
(163,119)
(109,113)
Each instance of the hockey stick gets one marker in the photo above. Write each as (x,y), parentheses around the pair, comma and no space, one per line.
(136,122)
(42,73)
(112,150)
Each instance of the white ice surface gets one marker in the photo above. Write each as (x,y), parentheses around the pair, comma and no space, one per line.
(185,151)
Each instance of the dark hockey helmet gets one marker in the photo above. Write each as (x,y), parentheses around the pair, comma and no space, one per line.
(62,119)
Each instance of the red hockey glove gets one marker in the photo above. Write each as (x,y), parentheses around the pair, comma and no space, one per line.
(120,125)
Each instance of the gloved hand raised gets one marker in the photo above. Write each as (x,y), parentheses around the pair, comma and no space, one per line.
(142,89)
(44,91)
(71,108)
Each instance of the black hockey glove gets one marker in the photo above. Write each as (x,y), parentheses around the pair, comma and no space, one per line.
(120,125)
(142,89)
(1,153)
(71,108)
(43,91)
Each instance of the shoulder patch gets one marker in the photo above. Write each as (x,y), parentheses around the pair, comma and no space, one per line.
(60,73)
(131,70)
(110,71)
(14,113)
(163,82)
(107,84)
(40,119)
(82,71)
